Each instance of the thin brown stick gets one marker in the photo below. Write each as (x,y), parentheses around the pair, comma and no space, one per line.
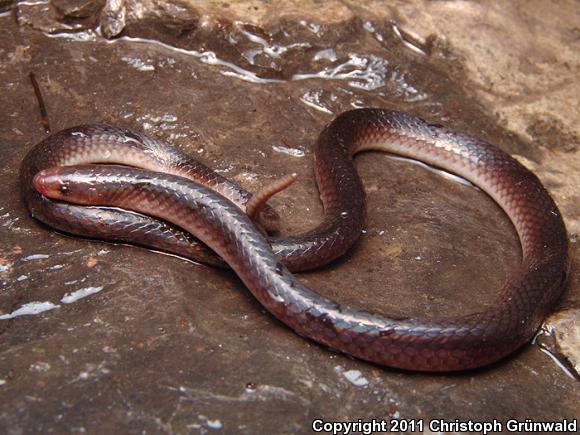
(43,112)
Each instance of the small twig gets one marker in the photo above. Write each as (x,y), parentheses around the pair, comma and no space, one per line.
(43,112)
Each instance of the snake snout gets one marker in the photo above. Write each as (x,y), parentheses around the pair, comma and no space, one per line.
(49,183)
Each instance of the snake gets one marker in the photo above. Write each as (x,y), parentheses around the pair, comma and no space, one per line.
(445,344)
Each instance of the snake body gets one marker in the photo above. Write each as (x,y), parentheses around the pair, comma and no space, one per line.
(98,143)
(445,344)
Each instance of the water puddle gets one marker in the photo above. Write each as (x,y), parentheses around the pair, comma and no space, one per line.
(552,344)
(262,56)
(69,298)
(29,309)
(294,152)
(355,377)
(35,308)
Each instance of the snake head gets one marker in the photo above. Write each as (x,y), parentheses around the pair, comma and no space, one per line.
(66,184)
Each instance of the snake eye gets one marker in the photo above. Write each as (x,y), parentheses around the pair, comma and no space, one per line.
(64,189)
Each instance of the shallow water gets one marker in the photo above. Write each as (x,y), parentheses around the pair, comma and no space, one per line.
(152,342)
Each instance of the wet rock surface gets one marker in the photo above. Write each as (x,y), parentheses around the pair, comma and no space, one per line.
(130,340)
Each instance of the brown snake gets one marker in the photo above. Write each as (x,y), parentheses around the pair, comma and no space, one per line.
(445,344)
